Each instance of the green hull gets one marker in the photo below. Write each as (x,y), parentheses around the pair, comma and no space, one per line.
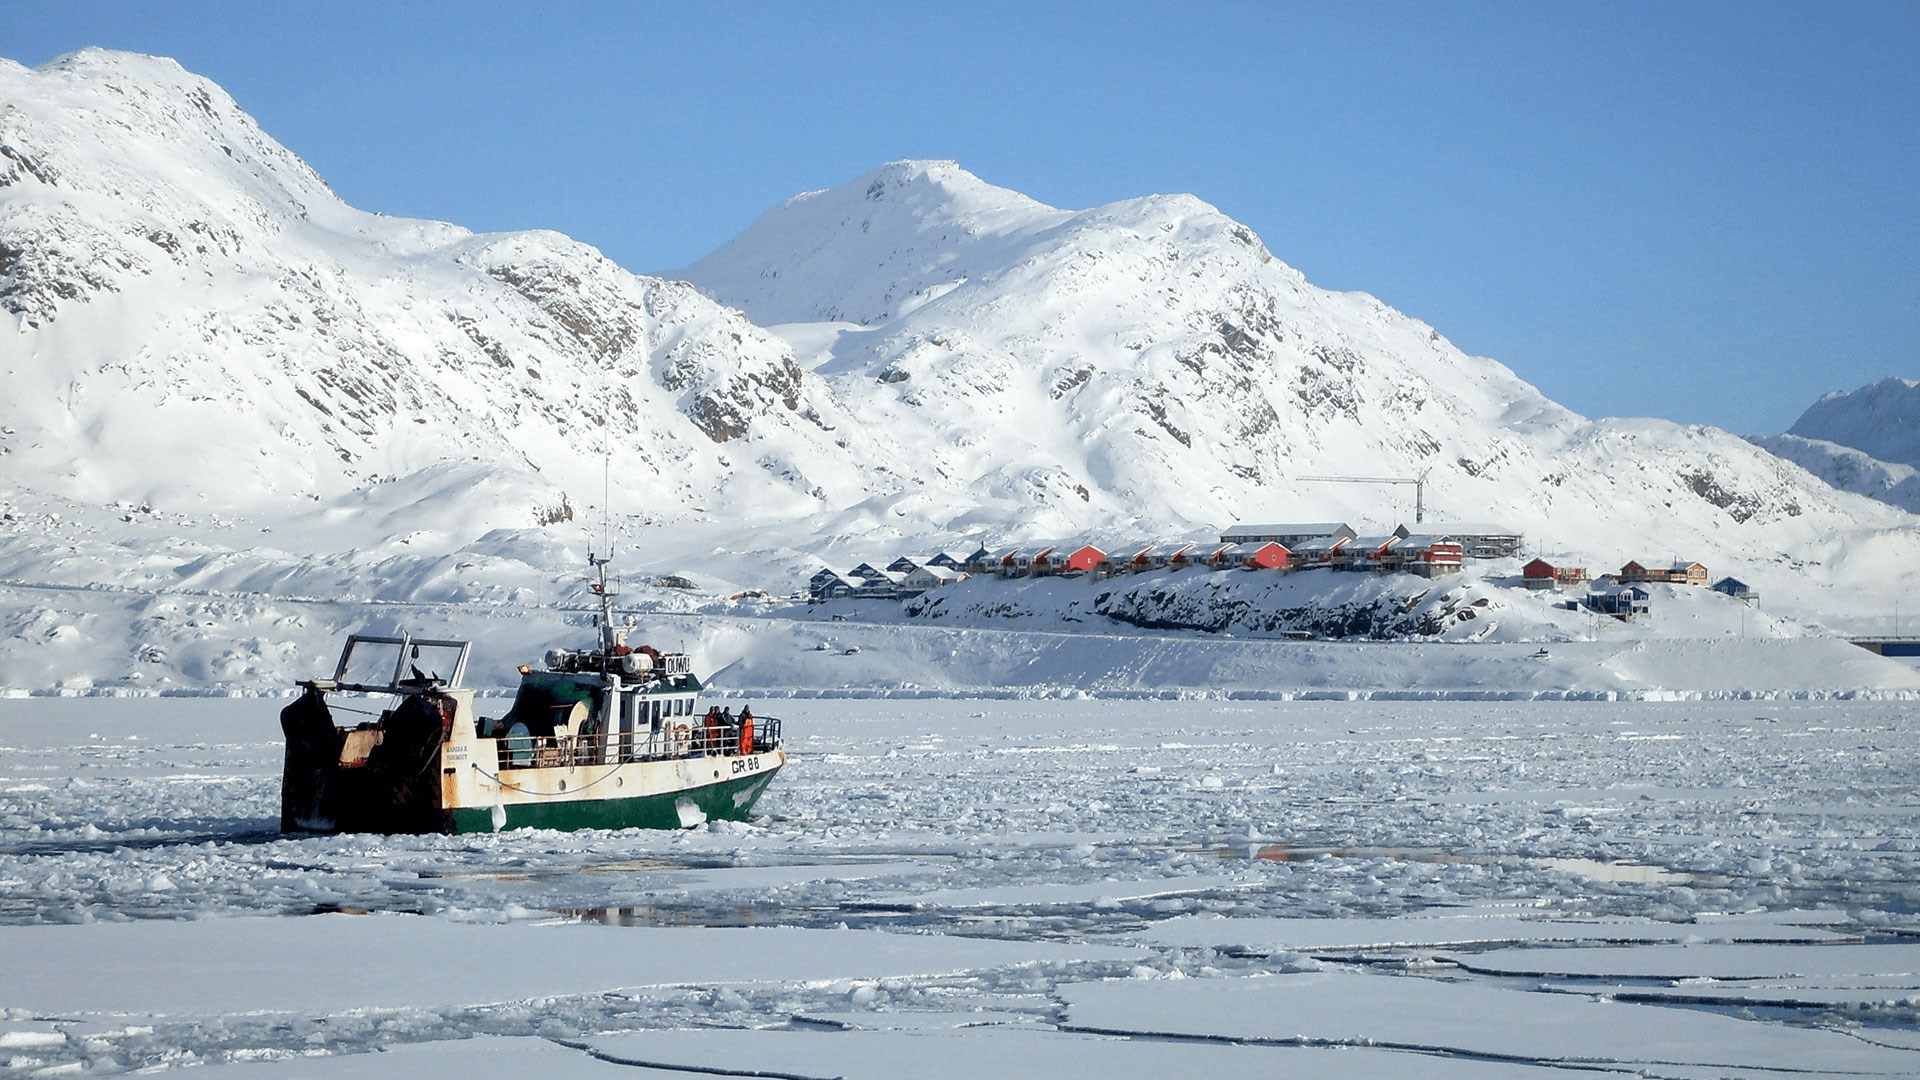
(727,800)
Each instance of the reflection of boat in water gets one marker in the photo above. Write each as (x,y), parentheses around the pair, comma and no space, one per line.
(603,738)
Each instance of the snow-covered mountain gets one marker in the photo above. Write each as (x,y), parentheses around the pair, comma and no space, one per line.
(221,377)
(1881,420)
(198,319)
(1865,441)
(1848,469)
(1151,362)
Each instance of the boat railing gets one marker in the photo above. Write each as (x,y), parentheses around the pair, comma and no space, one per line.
(669,742)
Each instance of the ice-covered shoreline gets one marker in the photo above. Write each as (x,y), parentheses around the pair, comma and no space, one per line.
(1032,887)
(138,642)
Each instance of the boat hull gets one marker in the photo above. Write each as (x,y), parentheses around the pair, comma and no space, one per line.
(728,799)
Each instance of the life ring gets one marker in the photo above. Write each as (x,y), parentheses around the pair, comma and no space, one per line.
(679,736)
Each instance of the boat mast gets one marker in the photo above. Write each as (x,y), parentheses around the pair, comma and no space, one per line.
(599,563)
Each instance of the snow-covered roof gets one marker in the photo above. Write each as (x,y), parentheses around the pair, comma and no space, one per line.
(1316,528)
(1461,529)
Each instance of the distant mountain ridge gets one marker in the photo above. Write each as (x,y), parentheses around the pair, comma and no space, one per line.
(1866,441)
(1881,420)
(910,357)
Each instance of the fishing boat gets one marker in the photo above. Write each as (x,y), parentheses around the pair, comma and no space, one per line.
(610,737)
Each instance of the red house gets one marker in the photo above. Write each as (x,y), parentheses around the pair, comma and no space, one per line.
(1428,556)
(1541,574)
(1255,554)
(1084,557)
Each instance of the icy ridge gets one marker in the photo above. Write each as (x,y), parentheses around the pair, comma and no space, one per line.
(1848,469)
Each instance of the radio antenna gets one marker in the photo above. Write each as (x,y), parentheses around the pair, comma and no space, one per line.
(606,500)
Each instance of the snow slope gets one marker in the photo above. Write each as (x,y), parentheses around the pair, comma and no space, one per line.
(1848,469)
(226,383)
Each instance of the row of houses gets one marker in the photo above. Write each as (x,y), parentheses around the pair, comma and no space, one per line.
(1428,555)
(1623,594)
(1284,547)
(1323,545)
(1544,574)
(1477,540)
(908,575)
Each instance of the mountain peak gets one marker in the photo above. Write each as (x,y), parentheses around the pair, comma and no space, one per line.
(145,67)
(1880,419)
(163,124)
(856,252)
(912,172)
(931,185)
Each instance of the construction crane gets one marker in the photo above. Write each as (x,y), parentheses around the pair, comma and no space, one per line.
(1419,487)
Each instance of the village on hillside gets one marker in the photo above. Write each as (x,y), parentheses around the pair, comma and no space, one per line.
(1433,551)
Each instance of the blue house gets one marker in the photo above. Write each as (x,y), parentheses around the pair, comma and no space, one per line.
(1735,588)
(827,584)
(1623,603)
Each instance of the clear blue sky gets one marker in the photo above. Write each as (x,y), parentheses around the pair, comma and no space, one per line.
(1703,211)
